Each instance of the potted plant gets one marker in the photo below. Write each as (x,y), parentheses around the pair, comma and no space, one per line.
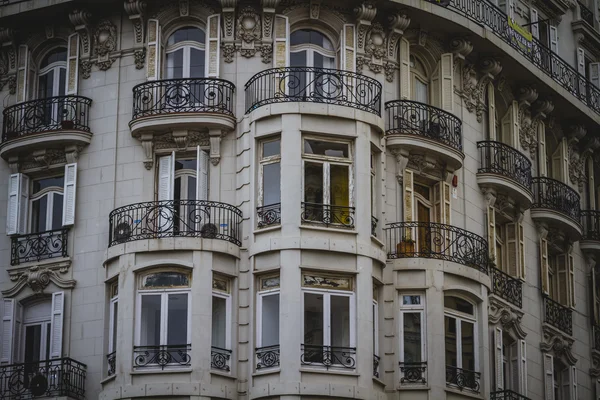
(405,246)
(67,124)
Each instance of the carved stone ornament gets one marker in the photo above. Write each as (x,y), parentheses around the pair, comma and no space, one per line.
(85,69)
(461,47)
(559,344)
(397,24)
(507,316)
(401,163)
(81,20)
(595,369)
(248,25)
(266,53)
(38,277)
(475,80)
(228,52)
(178,140)
(139,57)
(105,39)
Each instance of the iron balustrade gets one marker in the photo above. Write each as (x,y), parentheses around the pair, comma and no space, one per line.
(438,241)
(268,215)
(161,356)
(219,358)
(586,14)
(376,361)
(59,377)
(328,356)
(558,316)
(413,372)
(555,195)
(46,115)
(463,378)
(187,95)
(406,117)
(507,395)
(267,357)
(39,246)
(175,218)
(111,359)
(374,222)
(315,85)
(507,287)
(590,221)
(326,214)
(502,159)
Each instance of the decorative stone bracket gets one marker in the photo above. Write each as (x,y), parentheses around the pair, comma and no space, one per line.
(38,277)
(475,78)
(136,10)
(420,163)
(507,316)
(557,343)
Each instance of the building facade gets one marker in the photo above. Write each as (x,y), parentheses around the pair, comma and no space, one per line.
(300,199)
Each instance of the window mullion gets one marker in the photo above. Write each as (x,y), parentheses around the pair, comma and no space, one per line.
(326,183)
(327,319)
(458,343)
(163,318)
(49,208)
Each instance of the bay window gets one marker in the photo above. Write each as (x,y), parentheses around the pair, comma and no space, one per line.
(413,355)
(269,178)
(221,324)
(267,323)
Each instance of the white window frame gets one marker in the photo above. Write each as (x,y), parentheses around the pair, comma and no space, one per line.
(275,159)
(227,297)
(50,192)
(412,309)
(311,49)
(187,46)
(259,315)
(56,67)
(113,303)
(459,317)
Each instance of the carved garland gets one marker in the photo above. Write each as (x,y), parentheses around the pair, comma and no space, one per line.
(37,278)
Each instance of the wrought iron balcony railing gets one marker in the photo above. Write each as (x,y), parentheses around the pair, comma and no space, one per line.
(586,14)
(558,316)
(188,95)
(327,215)
(268,215)
(220,358)
(507,395)
(507,287)
(374,222)
(111,359)
(438,241)
(406,117)
(175,218)
(555,195)
(39,246)
(590,220)
(413,373)
(59,377)
(315,85)
(46,115)
(596,331)
(328,356)
(162,356)
(502,159)
(462,378)
(376,361)
(267,357)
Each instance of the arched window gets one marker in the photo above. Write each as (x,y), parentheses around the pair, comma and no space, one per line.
(185,53)
(420,81)
(310,48)
(46,203)
(52,73)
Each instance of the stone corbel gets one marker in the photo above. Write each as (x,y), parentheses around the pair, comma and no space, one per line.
(595,369)
(147,140)
(8,63)
(181,139)
(397,24)
(475,80)
(41,158)
(227,43)
(542,230)
(215,146)
(136,10)
(557,343)
(72,153)
(13,164)
(490,196)
(527,96)
(37,278)
(268,19)
(364,13)
(401,163)
(507,316)
(81,19)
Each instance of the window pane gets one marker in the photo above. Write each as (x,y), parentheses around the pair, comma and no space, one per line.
(219,322)
(197,64)
(177,319)
(339,190)
(165,280)
(468,348)
(191,192)
(330,149)
(322,61)
(187,33)
(55,55)
(114,330)
(57,211)
(33,342)
(271,184)
(411,329)
(46,84)
(458,304)
(340,321)
(298,59)
(313,319)
(272,148)
(411,300)
(38,218)
(270,320)
(175,64)
(39,184)
(186,164)
(450,335)
(313,183)
(421,91)
(150,323)
(62,82)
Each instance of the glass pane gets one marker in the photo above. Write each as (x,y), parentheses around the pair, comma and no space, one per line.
(62,82)
(458,304)
(165,280)
(175,64)
(272,148)
(57,211)
(38,214)
(191,192)
(39,184)
(313,183)
(219,322)
(33,343)
(421,91)
(329,149)
(271,184)
(298,59)
(197,61)
(450,335)
(308,36)
(270,320)
(313,319)
(411,300)
(177,318)
(55,55)
(339,191)
(150,320)
(187,33)
(300,36)
(468,345)
(186,164)
(340,321)
(411,329)
(46,85)
(322,61)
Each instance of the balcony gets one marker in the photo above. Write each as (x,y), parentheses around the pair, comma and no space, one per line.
(413,373)
(463,378)
(220,359)
(39,246)
(586,14)
(507,395)
(330,357)
(327,215)
(59,377)
(268,215)
(161,357)
(506,170)
(558,316)
(182,104)
(267,357)
(590,221)
(437,241)
(45,123)
(313,85)
(111,360)
(424,129)
(556,204)
(507,287)
(175,218)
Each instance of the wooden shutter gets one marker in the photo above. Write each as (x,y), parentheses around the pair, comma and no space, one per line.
(522,355)
(213,46)
(446,82)
(491,112)
(491,231)
(595,74)
(580,61)
(499,358)
(23,74)
(549,376)
(23,204)
(8,326)
(512,245)
(409,197)
(560,162)
(441,203)
(554,39)
(56,331)
(515,378)
(12,212)
(72,82)
(69,194)
(542,162)
(563,279)
(348,48)
(573,381)
(281,52)
(521,249)
(166,172)
(202,174)
(571,290)
(535,29)
(510,125)
(404,69)
(154,50)
(544,266)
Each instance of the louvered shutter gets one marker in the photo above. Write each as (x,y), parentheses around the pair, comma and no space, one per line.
(281,52)
(491,112)
(166,177)
(491,230)
(56,331)
(542,162)
(522,355)
(559,163)
(14,197)
(535,29)
(23,203)
(563,279)
(404,69)
(348,48)
(154,50)
(213,45)
(8,326)
(499,358)
(544,266)
(554,39)
(521,248)
(549,376)
(513,248)
(580,61)
(72,81)
(515,379)
(23,74)
(571,261)
(573,382)
(446,82)
(595,74)
(69,194)
(202,174)
(597,384)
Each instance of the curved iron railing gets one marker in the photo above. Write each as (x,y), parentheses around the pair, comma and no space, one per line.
(175,218)
(267,357)
(219,358)
(328,356)
(502,159)
(162,356)
(327,215)
(507,395)
(438,241)
(39,246)
(407,117)
(111,359)
(315,85)
(413,372)
(268,215)
(558,316)
(586,14)
(187,95)
(590,220)
(46,115)
(376,362)
(463,378)
(557,196)
(507,287)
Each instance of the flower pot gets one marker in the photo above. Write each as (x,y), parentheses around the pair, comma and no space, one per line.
(405,247)
(67,124)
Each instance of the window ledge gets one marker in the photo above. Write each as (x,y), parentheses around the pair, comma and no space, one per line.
(267,372)
(267,229)
(379,381)
(414,386)
(162,371)
(108,379)
(464,393)
(223,374)
(317,370)
(377,241)
(322,229)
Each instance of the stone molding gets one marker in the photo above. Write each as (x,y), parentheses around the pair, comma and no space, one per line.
(44,159)
(475,78)
(38,277)
(557,343)
(509,317)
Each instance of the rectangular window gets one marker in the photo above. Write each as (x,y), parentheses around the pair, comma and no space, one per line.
(269,176)
(376,357)
(267,337)
(46,203)
(183,176)
(413,362)
(112,326)
(221,324)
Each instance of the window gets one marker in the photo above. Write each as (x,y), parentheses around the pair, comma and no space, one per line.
(112,326)
(510,359)
(329,314)
(46,204)
(221,323)
(328,178)
(267,323)
(53,73)
(269,177)
(461,342)
(558,275)
(375,309)
(185,56)
(560,379)
(420,81)
(163,310)
(310,48)
(509,249)
(413,362)
(595,286)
